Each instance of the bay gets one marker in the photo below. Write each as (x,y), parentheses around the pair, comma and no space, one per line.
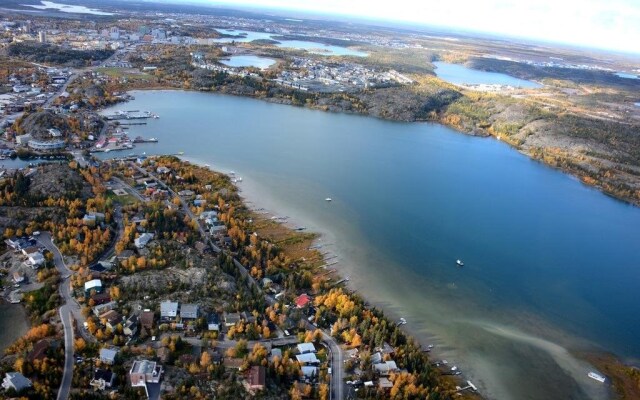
(550,264)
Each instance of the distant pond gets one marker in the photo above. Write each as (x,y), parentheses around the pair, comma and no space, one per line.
(461,75)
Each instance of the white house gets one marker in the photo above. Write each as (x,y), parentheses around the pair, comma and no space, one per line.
(307,358)
(306,348)
(142,240)
(168,309)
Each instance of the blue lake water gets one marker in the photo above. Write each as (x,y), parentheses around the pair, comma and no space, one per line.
(249,61)
(461,75)
(311,47)
(550,264)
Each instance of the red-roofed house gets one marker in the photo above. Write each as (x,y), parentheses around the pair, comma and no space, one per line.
(303,300)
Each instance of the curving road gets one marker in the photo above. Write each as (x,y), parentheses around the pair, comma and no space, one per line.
(69,311)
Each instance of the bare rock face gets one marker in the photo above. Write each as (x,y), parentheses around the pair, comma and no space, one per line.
(57,181)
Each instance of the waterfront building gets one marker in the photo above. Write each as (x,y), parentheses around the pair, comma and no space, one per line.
(46,145)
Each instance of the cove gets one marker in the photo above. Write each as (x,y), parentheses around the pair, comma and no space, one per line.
(550,264)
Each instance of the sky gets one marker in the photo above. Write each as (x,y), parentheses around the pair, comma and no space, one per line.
(606,24)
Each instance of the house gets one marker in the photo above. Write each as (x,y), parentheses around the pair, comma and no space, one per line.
(39,350)
(168,310)
(309,371)
(376,358)
(306,348)
(189,311)
(35,259)
(142,240)
(18,277)
(15,381)
(303,300)
(186,193)
(163,170)
(108,355)
(103,308)
(307,359)
(92,218)
(19,243)
(146,320)
(385,383)
(125,254)
(385,368)
(130,327)
(257,378)
(144,373)
(101,298)
(94,285)
(231,319)
(213,322)
(111,319)
(101,266)
(102,379)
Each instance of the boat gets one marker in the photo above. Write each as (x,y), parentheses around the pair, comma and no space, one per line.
(460,263)
(402,321)
(596,376)
(328,199)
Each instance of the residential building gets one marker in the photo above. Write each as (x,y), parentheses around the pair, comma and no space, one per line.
(108,355)
(130,327)
(231,319)
(142,240)
(102,379)
(309,371)
(111,319)
(257,378)
(35,260)
(94,285)
(101,298)
(303,300)
(213,322)
(15,381)
(144,373)
(306,348)
(307,359)
(103,308)
(189,311)
(169,310)
(385,368)
(146,320)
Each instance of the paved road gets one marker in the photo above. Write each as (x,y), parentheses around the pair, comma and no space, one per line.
(69,311)
(66,314)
